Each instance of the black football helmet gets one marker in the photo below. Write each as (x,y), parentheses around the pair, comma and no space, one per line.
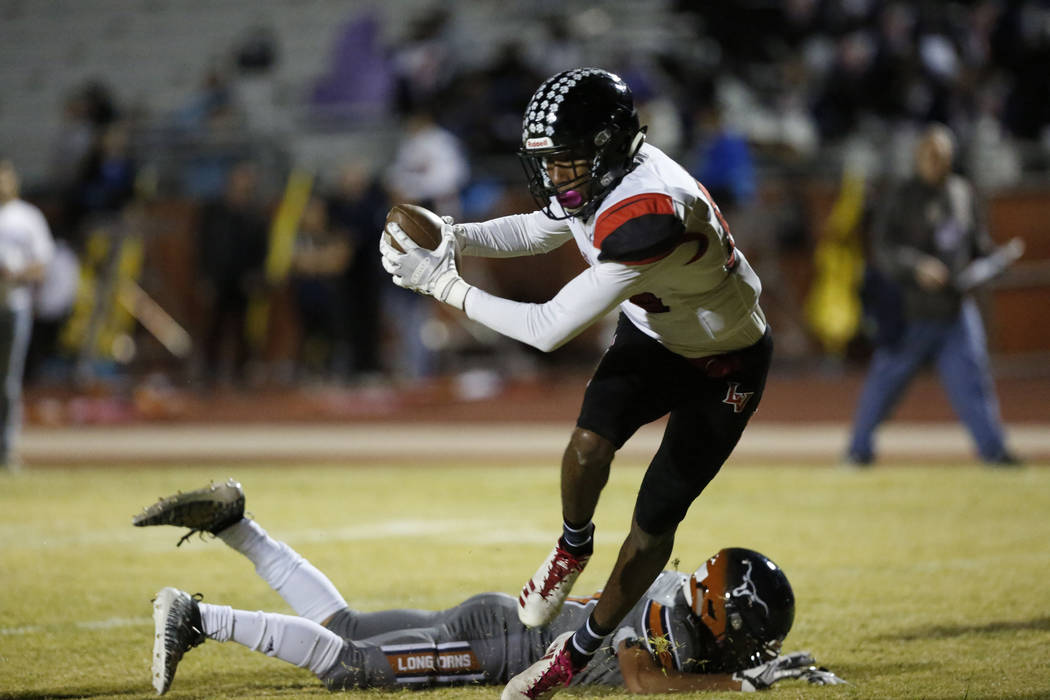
(585,114)
(746,603)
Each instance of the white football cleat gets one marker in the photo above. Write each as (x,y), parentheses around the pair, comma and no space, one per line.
(547,676)
(177,628)
(544,594)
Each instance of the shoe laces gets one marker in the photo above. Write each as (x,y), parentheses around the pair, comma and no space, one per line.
(194,623)
(563,564)
(202,532)
(190,534)
(559,673)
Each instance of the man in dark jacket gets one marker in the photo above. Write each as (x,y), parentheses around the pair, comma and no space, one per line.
(928,233)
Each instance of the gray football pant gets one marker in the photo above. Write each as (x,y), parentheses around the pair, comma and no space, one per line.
(16,326)
(479,641)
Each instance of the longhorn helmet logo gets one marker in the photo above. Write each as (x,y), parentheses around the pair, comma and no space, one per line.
(747,589)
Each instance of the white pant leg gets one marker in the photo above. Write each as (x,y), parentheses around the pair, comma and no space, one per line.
(302,585)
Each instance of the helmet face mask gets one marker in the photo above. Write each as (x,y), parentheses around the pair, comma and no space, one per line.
(584,118)
(746,603)
(573,184)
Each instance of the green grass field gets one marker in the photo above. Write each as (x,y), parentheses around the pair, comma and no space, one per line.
(924,582)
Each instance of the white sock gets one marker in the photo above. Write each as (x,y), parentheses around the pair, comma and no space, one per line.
(293,639)
(302,585)
(217,621)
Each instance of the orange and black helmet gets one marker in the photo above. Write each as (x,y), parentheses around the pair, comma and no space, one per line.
(745,602)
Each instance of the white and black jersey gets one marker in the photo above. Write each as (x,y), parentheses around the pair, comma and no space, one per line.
(657,247)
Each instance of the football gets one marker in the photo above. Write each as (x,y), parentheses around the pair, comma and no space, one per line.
(420,224)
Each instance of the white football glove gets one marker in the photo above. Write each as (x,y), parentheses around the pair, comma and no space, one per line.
(799,664)
(818,675)
(455,229)
(425,271)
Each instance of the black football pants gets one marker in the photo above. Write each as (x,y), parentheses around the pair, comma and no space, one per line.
(708,403)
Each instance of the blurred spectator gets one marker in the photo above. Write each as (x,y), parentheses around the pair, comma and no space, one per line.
(658,100)
(90,160)
(100,104)
(721,159)
(833,308)
(359,83)
(212,105)
(101,234)
(357,210)
(52,307)
(560,48)
(811,79)
(424,61)
(231,250)
(257,51)
(429,169)
(76,141)
(893,78)
(26,248)
(483,106)
(319,262)
(843,100)
(210,127)
(928,232)
(76,138)
(107,182)
(1020,44)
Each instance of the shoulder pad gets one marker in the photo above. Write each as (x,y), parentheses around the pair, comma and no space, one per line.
(639,229)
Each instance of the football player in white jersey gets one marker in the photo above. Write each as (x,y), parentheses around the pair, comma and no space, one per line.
(691,343)
(720,628)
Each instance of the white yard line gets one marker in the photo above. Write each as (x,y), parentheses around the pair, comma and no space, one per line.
(449,442)
(109,623)
(463,531)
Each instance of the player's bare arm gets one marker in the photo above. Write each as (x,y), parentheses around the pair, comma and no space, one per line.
(643,675)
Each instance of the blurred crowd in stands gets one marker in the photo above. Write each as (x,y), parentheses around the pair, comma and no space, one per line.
(280,278)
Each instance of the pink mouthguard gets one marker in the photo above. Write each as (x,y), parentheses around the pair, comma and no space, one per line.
(571,199)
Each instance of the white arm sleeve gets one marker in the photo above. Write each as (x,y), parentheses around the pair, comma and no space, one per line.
(586,298)
(509,236)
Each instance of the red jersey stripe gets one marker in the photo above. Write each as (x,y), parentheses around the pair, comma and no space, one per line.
(630,208)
